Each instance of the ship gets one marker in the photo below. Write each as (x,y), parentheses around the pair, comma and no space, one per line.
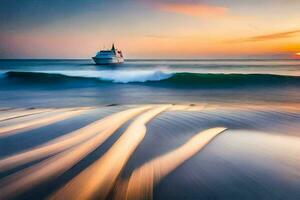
(107,57)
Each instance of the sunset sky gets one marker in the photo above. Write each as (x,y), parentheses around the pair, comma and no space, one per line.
(150,29)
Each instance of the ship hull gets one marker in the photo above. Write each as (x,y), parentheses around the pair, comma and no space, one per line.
(107,61)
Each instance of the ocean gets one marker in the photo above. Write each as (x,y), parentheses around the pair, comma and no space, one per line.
(38,83)
(150,129)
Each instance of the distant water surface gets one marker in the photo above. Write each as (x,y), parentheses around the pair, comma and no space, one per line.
(80,82)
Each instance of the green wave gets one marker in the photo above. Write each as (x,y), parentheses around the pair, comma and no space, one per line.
(177,79)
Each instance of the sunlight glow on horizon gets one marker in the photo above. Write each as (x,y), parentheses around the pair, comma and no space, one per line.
(158,29)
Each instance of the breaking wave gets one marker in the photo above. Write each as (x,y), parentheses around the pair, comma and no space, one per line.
(117,76)
(156,77)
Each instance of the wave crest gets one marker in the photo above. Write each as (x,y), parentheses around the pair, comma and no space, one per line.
(116,76)
(133,76)
(159,77)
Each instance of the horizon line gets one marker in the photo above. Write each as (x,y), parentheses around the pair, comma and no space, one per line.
(157,59)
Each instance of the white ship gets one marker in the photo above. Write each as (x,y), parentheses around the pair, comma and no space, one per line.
(113,56)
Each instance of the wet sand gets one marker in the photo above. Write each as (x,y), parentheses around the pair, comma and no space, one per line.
(60,114)
(141,182)
(159,151)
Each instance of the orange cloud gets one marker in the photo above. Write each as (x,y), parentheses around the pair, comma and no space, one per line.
(272,36)
(199,9)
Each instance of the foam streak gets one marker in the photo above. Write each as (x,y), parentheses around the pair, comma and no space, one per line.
(23,113)
(98,179)
(141,183)
(43,121)
(56,165)
(67,141)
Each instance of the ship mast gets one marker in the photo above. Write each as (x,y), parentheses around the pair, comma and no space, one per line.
(113,48)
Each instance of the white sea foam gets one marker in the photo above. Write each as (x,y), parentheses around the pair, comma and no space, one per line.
(117,76)
(121,76)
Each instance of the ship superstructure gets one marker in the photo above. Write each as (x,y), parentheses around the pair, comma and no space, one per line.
(112,56)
